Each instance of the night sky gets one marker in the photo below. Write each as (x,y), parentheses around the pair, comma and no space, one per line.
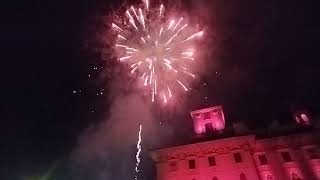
(264,66)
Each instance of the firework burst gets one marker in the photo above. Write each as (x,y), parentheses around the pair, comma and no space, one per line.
(159,48)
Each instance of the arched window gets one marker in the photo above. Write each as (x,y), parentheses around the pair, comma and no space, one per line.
(214,178)
(243,177)
(209,128)
(295,176)
(269,177)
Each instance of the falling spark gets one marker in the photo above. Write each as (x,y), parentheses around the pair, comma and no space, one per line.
(146,81)
(132,49)
(134,69)
(128,48)
(189,74)
(198,34)
(142,19)
(171,24)
(143,75)
(147,4)
(119,45)
(144,41)
(169,91)
(184,87)
(150,80)
(131,20)
(116,27)
(167,61)
(170,67)
(134,11)
(188,53)
(164,98)
(158,49)
(176,34)
(138,160)
(161,9)
(124,58)
(121,37)
(160,31)
(188,58)
(177,24)
(152,95)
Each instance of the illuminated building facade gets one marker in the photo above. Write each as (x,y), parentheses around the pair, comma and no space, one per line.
(294,156)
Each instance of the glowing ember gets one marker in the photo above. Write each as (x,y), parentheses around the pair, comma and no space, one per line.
(158,48)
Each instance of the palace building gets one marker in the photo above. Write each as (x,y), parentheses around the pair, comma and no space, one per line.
(279,153)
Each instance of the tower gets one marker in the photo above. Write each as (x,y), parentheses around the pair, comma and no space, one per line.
(208,120)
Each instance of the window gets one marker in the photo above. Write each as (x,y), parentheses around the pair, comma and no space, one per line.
(192,164)
(312,153)
(263,159)
(237,157)
(212,161)
(173,166)
(269,177)
(243,177)
(295,176)
(209,128)
(286,156)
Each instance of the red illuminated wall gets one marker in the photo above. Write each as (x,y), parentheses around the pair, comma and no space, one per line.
(292,157)
(173,163)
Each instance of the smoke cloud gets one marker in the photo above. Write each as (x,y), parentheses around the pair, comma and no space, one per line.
(107,150)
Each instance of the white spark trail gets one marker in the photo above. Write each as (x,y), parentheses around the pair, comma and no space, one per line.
(177,24)
(198,34)
(134,11)
(116,27)
(161,9)
(120,45)
(146,81)
(142,19)
(160,31)
(171,24)
(133,70)
(121,37)
(124,46)
(184,87)
(147,4)
(124,58)
(189,74)
(187,53)
(164,98)
(191,58)
(152,94)
(131,20)
(176,34)
(169,91)
(138,151)
(170,67)
(144,41)
(167,61)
